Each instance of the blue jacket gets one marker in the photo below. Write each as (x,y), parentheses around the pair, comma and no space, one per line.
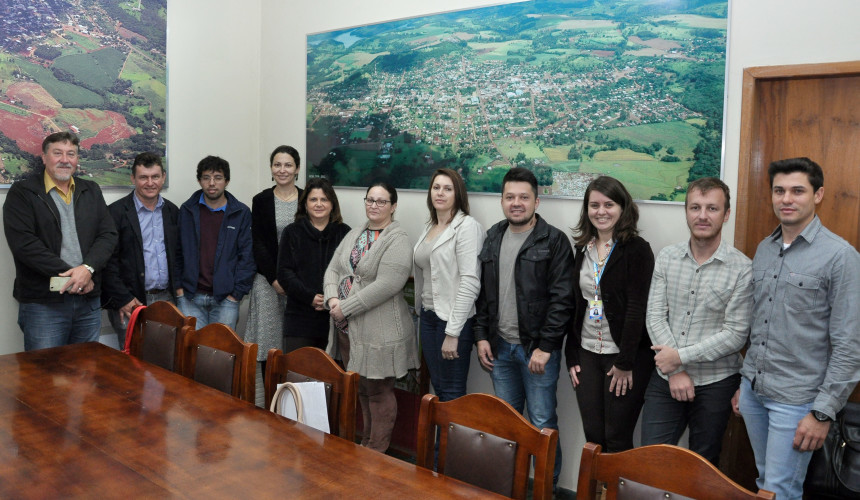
(234,258)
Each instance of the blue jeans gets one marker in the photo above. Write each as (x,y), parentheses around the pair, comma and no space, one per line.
(447,375)
(74,320)
(208,310)
(664,418)
(513,382)
(771,427)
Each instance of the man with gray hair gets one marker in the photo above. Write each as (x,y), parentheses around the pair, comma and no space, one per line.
(61,236)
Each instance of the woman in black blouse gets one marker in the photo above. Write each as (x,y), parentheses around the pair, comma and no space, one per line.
(608,349)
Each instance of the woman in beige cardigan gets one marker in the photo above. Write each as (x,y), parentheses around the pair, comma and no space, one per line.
(371,323)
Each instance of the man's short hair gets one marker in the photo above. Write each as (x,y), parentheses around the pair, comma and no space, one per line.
(519,174)
(147,159)
(705,184)
(213,164)
(64,136)
(802,164)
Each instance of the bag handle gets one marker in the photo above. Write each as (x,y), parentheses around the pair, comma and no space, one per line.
(297,398)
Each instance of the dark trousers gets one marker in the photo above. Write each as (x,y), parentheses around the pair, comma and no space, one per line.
(293,343)
(447,375)
(607,419)
(664,418)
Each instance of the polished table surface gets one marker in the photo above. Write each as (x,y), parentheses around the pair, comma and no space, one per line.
(88,421)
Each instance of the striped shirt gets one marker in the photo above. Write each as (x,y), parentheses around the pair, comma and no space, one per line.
(703,311)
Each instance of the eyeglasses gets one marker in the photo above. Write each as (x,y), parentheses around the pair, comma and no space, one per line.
(379,203)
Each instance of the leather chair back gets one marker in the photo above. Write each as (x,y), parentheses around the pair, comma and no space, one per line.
(154,328)
(667,469)
(502,442)
(159,348)
(217,357)
(481,458)
(313,364)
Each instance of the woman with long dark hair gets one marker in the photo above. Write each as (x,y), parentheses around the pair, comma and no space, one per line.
(447,282)
(608,348)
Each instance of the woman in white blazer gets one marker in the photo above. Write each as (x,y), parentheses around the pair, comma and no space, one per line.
(447,282)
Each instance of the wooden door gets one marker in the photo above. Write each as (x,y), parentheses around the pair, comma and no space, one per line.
(810,110)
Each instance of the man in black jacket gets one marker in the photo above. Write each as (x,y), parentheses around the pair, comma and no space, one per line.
(525,304)
(140,271)
(61,237)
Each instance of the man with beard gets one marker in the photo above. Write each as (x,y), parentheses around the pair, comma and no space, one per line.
(525,303)
(215,263)
(698,319)
(61,236)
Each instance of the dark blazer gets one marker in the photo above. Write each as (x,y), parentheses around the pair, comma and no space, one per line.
(544,284)
(125,273)
(264,232)
(32,225)
(624,286)
(305,253)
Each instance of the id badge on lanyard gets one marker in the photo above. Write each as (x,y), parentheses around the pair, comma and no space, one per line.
(595,307)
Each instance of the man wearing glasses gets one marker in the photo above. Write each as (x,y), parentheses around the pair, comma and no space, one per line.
(215,263)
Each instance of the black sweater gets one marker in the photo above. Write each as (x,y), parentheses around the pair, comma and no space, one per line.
(303,257)
(624,287)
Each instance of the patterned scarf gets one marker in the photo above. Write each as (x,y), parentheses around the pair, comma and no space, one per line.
(362,246)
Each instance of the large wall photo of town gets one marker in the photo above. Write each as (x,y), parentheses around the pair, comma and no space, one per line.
(96,68)
(569,89)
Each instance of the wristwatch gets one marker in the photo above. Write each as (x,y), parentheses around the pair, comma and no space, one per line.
(820,416)
(89,268)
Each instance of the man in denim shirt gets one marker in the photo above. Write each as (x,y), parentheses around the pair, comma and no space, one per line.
(804,355)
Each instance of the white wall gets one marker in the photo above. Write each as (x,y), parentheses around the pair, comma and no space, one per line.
(237,84)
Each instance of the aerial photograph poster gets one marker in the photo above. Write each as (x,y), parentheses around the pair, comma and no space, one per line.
(96,68)
(571,89)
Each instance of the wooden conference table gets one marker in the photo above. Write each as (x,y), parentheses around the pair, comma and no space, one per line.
(88,421)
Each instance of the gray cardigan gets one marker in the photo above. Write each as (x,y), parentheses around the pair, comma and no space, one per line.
(382,339)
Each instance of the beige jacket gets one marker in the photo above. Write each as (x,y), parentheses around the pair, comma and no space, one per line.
(382,339)
(455,271)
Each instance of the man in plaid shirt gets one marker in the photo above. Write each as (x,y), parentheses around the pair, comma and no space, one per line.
(698,319)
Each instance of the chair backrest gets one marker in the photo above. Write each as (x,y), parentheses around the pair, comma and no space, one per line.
(484,441)
(313,364)
(158,333)
(215,356)
(670,468)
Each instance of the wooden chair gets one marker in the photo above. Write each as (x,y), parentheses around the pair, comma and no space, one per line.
(217,357)
(311,364)
(484,441)
(158,334)
(664,467)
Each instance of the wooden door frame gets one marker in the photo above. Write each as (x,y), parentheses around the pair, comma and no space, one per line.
(749,145)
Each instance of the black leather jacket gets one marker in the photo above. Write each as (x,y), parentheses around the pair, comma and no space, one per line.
(544,279)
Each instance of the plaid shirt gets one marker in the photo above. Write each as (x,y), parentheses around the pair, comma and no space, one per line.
(703,311)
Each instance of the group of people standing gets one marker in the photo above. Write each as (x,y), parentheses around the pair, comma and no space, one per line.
(661,337)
